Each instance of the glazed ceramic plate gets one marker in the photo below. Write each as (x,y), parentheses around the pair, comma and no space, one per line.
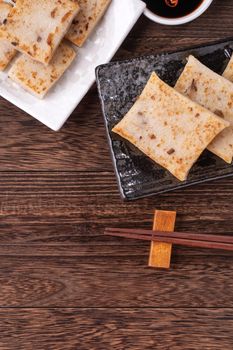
(57,106)
(119,84)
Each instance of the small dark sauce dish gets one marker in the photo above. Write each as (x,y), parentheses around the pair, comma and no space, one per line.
(175,12)
(173,8)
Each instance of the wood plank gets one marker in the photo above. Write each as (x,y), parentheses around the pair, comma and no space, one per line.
(53,252)
(105,277)
(29,145)
(136,329)
(160,253)
(83,198)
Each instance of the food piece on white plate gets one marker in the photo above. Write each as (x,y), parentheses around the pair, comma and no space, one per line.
(36,27)
(169,128)
(91,11)
(215,93)
(37,78)
(228,73)
(7,51)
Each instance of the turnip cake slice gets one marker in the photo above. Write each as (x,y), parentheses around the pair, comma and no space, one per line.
(91,11)
(7,51)
(36,27)
(37,78)
(215,93)
(169,128)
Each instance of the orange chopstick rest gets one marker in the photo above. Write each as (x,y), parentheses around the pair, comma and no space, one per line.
(160,252)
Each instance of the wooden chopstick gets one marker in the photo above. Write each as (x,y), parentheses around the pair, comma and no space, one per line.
(180,235)
(215,242)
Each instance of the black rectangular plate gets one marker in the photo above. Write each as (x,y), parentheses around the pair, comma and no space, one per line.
(119,84)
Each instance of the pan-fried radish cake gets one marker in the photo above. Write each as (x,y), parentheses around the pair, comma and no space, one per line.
(215,93)
(169,128)
(7,51)
(37,78)
(228,73)
(36,27)
(91,11)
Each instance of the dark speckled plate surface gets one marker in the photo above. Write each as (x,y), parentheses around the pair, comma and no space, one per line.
(119,84)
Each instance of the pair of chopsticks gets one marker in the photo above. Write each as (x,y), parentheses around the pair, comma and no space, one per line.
(188,239)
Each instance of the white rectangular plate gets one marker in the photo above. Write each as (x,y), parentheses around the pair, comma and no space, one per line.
(57,106)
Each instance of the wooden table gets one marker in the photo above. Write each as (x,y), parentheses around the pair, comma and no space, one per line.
(65,286)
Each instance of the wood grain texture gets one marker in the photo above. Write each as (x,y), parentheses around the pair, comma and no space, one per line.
(137,329)
(63,284)
(160,252)
(57,279)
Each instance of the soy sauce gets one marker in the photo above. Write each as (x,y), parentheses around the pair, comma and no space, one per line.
(173,8)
